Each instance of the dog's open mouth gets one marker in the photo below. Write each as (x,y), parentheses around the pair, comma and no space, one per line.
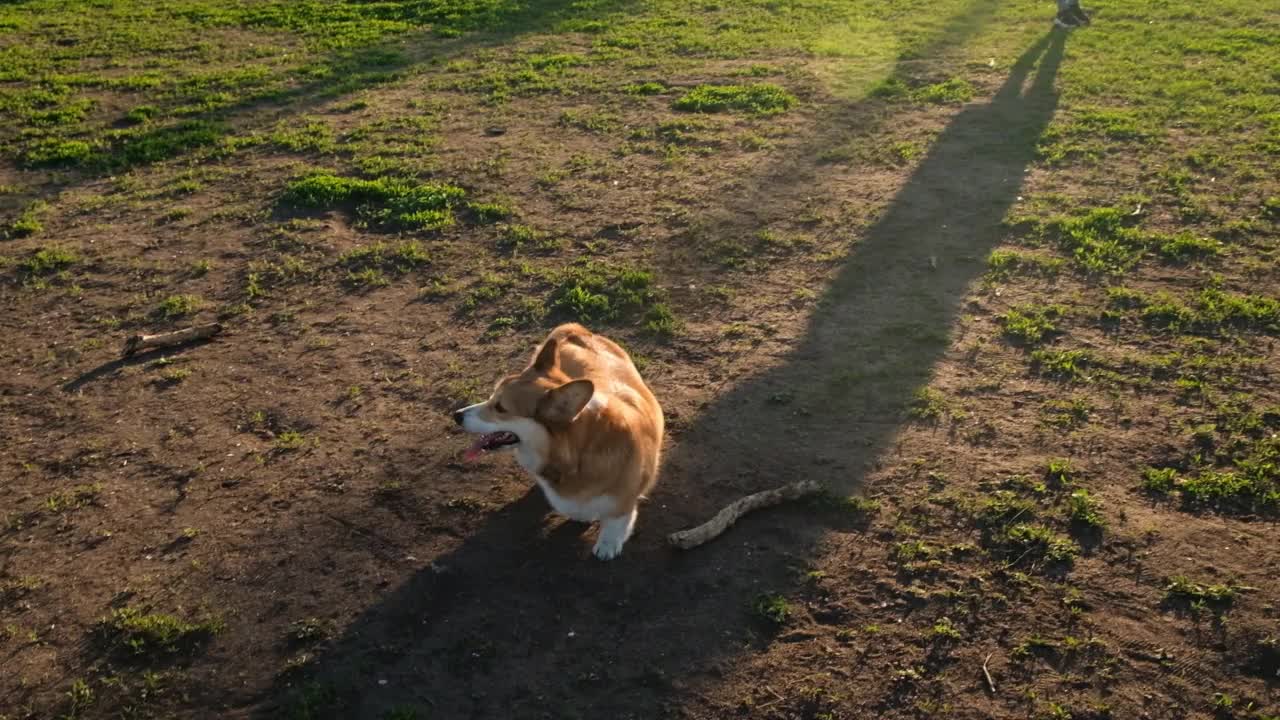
(491,441)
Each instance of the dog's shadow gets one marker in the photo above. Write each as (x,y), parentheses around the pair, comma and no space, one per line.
(519,618)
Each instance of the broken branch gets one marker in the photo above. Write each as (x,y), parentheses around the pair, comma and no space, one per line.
(987,674)
(171,339)
(711,529)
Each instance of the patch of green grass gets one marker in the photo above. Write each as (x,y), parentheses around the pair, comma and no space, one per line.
(80,698)
(1003,264)
(1059,472)
(489,212)
(661,320)
(154,635)
(368,266)
(927,404)
(386,202)
(755,99)
(1103,241)
(290,440)
(1181,590)
(142,114)
(1159,480)
(1083,509)
(73,498)
(152,145)
(1069,414)
(36,269)
(945,630)
(515,238)
(1210,312)
(850,504)
(28,221)
(1090,134)
(52,152)
(1038,542)
(1062,364)
(174,376)
(1002,508)
(953,91)
(648,88)
(592,292)
(490,288)
(1236,491)
(311,136)
(1031,324)
(1186,246)
(178,306)
(772,609)
(596,122)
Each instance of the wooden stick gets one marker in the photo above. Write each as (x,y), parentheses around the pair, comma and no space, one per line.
(987,674)
(711,529)
(171,339)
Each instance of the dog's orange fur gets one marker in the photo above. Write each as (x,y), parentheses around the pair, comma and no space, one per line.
(604,426)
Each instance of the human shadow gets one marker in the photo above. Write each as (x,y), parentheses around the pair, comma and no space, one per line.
(517,621)
(837,400)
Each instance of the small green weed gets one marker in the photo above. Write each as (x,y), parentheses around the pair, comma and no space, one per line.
(595,293)
(1066,414)
(1062,364)
(1059,472)
(1003,508)
(1083,509)
(1031,324)
(389,203)
(36,269)
(1159,480)
(773,609)
(72,499)
(367,266)
(155,634)
(953,91)
(927,405)
(178,306)
(1185,247)
(945,630)
(1003,264)
(28,221)
(1038,542)
(1182,591)
(290,440)
(756,99)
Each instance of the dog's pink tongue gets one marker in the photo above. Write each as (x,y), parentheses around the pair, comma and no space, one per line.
(475,450)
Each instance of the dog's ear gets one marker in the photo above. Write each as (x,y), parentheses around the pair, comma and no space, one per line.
(562,404)
(546,356)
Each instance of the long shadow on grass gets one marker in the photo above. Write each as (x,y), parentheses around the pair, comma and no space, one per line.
(836,401)
(517,621)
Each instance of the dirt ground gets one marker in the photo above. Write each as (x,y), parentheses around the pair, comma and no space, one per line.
(294,490)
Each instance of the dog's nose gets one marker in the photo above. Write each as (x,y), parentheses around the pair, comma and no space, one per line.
(457,416)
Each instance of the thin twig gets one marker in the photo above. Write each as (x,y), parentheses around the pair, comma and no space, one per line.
(987,674)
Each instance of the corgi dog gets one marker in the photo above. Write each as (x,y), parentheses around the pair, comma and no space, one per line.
(582,421)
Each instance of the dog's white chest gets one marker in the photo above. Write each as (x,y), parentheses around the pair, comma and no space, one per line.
(581,510)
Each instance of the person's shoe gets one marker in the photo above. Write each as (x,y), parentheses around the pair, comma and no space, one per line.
(1066,19)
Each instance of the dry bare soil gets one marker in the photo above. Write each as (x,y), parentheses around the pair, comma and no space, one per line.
(1010,292)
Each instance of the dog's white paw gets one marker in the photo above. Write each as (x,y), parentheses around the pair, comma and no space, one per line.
(613,535)
(607,548)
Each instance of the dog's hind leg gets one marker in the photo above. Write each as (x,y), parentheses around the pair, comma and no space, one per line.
(614,532)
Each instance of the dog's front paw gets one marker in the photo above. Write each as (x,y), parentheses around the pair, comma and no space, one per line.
(608,548)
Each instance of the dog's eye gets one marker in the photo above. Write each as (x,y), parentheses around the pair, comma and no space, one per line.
(498,406)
